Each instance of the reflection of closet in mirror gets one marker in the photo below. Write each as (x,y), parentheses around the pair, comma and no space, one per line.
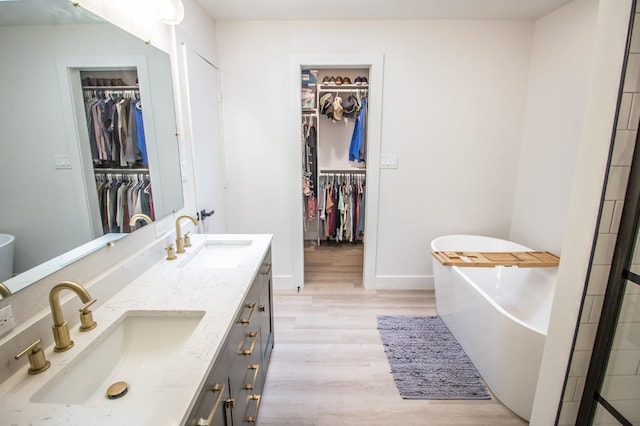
(114,118)
(333,141)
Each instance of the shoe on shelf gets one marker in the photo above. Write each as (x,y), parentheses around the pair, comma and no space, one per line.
(332,81)
(363,80)
(325,80)
(338,80)
(346,80)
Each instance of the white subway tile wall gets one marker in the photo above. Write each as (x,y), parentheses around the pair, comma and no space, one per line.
(622,385)
(625,111)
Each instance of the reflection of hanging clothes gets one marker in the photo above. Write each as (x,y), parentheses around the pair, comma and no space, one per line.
(120,197)
(142,143)
(357,149)
(116,132)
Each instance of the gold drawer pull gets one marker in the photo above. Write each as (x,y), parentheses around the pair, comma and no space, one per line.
(251,306)
(268,271)
(255,368)
(215,388)
(254,336)
(256,398)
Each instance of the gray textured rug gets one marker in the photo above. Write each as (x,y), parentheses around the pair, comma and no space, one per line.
(426,360)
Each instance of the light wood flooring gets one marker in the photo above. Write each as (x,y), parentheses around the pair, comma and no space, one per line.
(328,366)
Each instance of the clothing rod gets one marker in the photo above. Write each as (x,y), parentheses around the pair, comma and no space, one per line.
(110,88)
(99,171)
(345,172)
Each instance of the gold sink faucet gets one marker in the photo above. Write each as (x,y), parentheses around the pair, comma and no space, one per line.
(37,360)
(60,327)
(140,216)
(4,291)
(179,240)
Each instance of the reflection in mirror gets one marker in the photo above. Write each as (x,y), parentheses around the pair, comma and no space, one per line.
(48,176)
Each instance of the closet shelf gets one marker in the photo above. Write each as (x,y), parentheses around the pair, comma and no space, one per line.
(342,86)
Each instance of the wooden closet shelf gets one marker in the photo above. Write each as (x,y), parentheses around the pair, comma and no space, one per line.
(521,259)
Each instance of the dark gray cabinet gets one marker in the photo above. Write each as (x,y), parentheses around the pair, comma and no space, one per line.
(233,389)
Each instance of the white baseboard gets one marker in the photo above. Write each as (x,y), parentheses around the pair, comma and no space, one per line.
(284,282)
(404,282)
(387,282)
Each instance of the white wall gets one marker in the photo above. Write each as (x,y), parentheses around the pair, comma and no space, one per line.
(561,61)
(139,17)
(453,103)
(595,138)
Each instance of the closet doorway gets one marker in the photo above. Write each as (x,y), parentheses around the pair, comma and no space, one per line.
(334,112)
(373,63)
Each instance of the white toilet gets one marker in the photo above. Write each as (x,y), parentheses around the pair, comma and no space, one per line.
(7,242)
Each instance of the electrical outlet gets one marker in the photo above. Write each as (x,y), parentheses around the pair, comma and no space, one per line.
(6,320)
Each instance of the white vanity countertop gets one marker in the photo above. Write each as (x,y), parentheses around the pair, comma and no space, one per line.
(168,285)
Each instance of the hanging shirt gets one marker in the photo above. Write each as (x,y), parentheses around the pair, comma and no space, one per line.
(356,152)
(140,132)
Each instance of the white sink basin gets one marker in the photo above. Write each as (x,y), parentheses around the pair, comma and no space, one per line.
(218,254)
(137,349)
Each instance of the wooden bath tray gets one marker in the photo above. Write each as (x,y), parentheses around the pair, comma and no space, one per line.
(521,259)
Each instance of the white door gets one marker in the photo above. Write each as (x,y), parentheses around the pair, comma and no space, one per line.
(207,147)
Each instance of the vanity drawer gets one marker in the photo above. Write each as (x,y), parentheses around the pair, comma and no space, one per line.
(211,407)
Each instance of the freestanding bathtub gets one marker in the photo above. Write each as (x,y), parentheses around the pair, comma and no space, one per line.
(498,315)
(7,242)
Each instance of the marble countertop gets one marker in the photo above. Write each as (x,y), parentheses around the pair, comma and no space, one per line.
(176,286)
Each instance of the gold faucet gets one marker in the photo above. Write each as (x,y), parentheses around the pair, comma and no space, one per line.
(37,360)
(4,290)
(60,328)
(179,240)
(139,216)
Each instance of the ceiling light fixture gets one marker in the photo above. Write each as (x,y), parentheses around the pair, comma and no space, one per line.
(170,12)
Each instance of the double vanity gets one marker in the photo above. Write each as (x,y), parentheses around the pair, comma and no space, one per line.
(187,342)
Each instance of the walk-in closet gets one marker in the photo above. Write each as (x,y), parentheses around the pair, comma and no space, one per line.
(115,125)
(334,149)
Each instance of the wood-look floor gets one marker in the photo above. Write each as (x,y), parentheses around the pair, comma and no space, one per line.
(328,366)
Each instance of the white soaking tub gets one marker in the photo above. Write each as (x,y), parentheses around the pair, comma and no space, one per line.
(7,243)
(498,315)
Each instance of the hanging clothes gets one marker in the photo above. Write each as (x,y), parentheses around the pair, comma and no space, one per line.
(120,196)
(310,169)
(116,128)
(357,148)
(342,212)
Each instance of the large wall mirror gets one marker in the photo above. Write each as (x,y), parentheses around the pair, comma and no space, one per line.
(50,202)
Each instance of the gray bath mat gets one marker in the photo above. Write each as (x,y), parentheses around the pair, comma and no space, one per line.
(426,360)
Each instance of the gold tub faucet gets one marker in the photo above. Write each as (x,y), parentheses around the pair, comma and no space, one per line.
(179,240)
(60,327)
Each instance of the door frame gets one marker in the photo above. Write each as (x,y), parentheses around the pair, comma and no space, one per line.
(186,50)
(375,63)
